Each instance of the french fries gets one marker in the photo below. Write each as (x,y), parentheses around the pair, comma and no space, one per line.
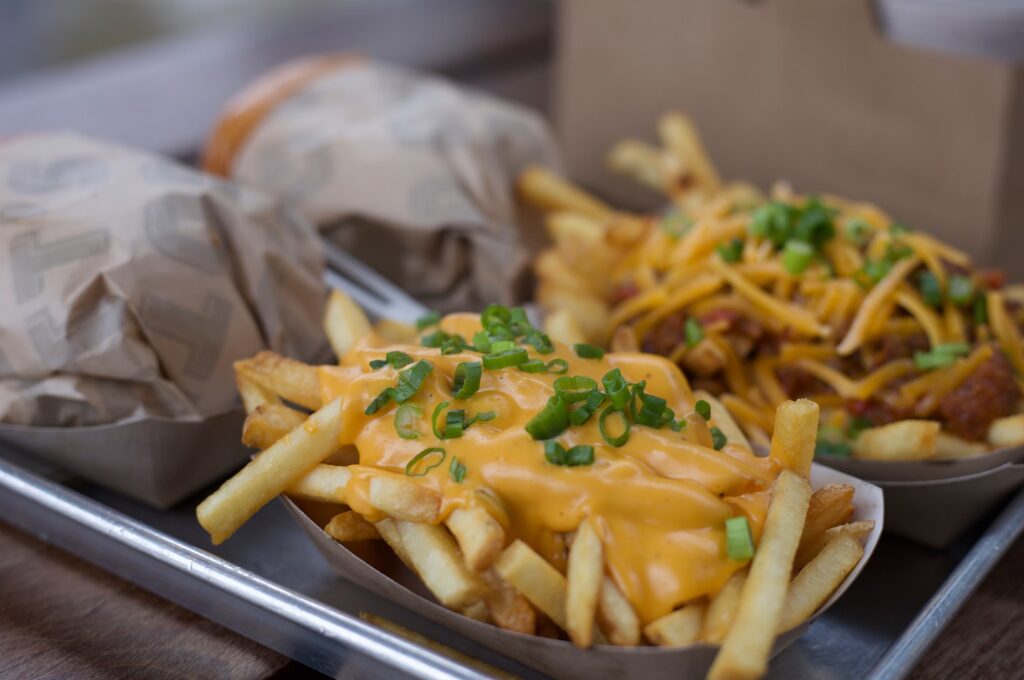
(585,574)
(747,645)
(563,583)
(902,440)
(270,473)
(547,190)
(345,323)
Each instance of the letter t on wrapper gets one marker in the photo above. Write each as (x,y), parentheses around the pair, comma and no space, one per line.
(271,472)
(796,432)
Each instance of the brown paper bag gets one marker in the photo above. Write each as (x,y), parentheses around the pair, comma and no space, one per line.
(411,173)
(130,285)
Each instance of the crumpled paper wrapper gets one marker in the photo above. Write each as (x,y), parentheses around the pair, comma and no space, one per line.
(934,501)
(561,659)
(131,284)
(409,172)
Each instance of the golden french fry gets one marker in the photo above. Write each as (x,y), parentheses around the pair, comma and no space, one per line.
(948,446)
(819,579)
(561,326)
(678,629)
(324,483)
(345,323)
(547,191)
(697,430)
(641,162)
(388,530)
(590,312)
(477,611)
(350,526)
(722,609)
(747,646)
(268,423)
(480,536)
(403,498)
(723,419)
(395,331)
(293,380)
(858,530)
(902,440)
(585,573)
(616,616)
(679,135)
(624,340)
(507,608)
(538,581)
(254,395)
(435,558)
(270,473)
(796,430)
(830,506)
(1007,431)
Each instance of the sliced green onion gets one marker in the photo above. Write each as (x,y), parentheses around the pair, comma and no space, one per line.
(454,424)
(501,333)
(575,388)
(456,470)
(718,438)
(857,231)
(558,366)
(872,272)
(435,339)
(581,454)
(693,331)
(940,355)
(931,291)
(703,409)
(467,379)
(422,455)
(739,544)
(518,321)
(540,342)
(961,290)
(411,380)
(732,251)
(797,256)
(551,421)
(397,359)
(585,351)
(482,417)
(583,412)
(857,425)
(652,410)
(814,225)
(508,358)
(533,366)
(502,345)
(378,363)
(481,342)
(453,345)
(613,440)
(495,315)
(438,432)
(617,389)
(896,251)
(838,449)
(405,420)
(554,452)
(380,401)
(980,309)
(427,320)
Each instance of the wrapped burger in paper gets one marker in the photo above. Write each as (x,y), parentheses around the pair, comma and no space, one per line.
(131,284)
(413,173)
(561,659)
(934,501)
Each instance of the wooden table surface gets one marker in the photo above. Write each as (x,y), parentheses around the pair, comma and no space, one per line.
(63,618)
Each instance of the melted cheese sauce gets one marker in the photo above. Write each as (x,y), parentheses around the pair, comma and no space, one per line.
(659,502)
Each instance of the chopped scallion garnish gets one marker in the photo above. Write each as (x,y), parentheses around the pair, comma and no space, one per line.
(732,251)
(506,359)
(467,379)
(961,290)
(556,454)
(797,256)
(558,366)
(551,421)
(428,320)
(940,355)
(931,291)
(411,466)
(617,389)
(575,388)
(405,420)
(456,470)
(533,366)
(585,351)
(410,380)
(703,409)
(693,331)
(718,438)
(615,440)
(739,544)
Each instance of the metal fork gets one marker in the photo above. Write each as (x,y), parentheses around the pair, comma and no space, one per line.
(378,296)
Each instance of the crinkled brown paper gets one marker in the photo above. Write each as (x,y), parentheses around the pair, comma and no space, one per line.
(409,172)
(130,285)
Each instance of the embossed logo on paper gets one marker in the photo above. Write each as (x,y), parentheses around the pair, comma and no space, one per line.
(172,220)
(30,258)
(40,177)
(202,333)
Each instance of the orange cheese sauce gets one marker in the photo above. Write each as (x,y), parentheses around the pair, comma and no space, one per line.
(658,502)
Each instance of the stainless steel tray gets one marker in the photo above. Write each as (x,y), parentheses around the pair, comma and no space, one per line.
(269,583)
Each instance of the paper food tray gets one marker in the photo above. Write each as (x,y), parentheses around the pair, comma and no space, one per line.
(934,501)
(562,659)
